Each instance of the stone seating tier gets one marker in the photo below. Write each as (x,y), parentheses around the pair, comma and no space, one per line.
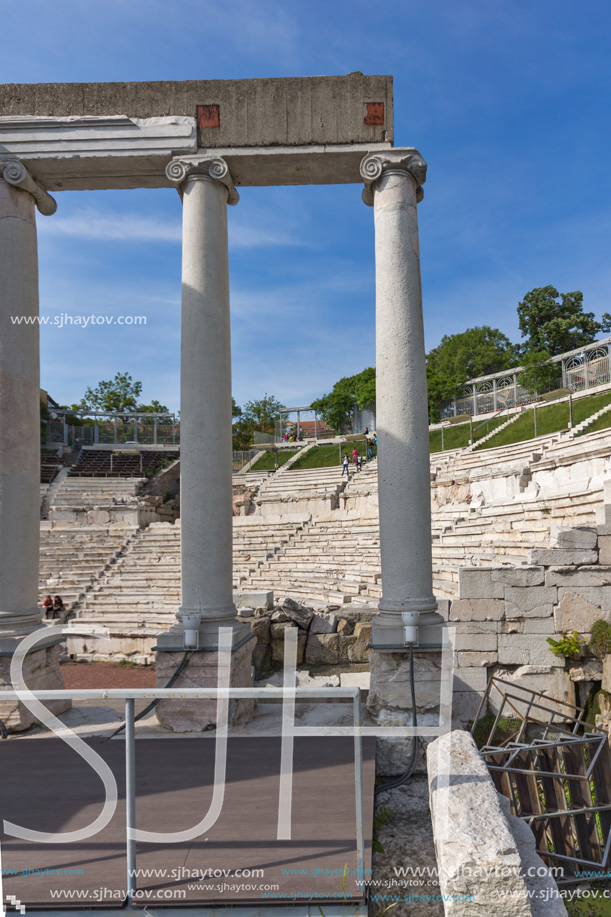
(97,462)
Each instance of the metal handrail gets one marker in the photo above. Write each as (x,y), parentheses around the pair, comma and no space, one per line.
(129,695)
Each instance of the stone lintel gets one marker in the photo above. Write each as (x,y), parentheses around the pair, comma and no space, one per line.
(285,111)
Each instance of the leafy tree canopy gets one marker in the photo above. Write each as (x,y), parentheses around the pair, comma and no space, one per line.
(262,414)
(475,352)
(555,322)
(336,407)
(118,395)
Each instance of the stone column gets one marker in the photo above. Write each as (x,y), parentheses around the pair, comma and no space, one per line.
(20,433)
(206,505)
(392,187)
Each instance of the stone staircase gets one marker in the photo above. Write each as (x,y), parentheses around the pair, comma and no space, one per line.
(580,427)
(488,436)
(73,560)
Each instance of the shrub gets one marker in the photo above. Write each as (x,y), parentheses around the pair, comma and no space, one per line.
(600,640)
(570,645)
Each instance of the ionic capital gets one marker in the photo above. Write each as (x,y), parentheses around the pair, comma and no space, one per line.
(182,168)
(15,173)
(407,160)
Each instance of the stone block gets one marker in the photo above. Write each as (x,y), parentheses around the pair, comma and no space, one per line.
(604,549)
(344,646)
(472,660)
(471,678)
(297,613)
(477,610)
(576,613)
(201,671)
(606,679)
(477,583)
(345,628)
(322,649)
(254,599)
(443,608)
(465,705)
(360,680)
(519,576)
(527,649)
(577,538)
(277,629)
(481,642)
(40,671)
(551,680)
(595,595)
(539,626)
(390,681)
(261,628)
(588,670)
(530,601)
(278,649)
(569,577)
(477,856)
(323,624)
(262,659)
(562,557)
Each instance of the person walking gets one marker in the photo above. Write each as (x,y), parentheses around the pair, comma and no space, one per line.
(345,464)
(355,456)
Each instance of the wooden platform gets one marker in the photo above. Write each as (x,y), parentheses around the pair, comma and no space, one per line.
(45,786)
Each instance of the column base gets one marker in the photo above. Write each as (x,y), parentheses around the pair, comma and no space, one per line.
(389,693)
(387,633)
(41,672)
(201,671)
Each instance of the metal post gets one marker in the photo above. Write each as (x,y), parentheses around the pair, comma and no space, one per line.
(442,442)
(135,429)
(564,380)
(515,389)
(535,412)
(315,426)
(475,399)
(298,425)
(155,429)
(358,786)
(586,364)
(340,453)
(95,431)
(115,426)
(173,430)
(130,797)
(494,398)
(571,411)
(471,430)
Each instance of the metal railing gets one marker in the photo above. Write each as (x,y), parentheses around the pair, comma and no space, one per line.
(289,731)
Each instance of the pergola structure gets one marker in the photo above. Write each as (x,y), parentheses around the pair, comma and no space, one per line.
(207,139)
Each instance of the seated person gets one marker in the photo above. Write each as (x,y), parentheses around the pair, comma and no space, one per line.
(48,606)
(58,607)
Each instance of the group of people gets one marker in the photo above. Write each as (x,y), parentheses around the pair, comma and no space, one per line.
(293,437)
(53,607)
(357,458)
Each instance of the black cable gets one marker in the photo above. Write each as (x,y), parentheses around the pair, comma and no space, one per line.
(154,703)
(399,780)
(3,731)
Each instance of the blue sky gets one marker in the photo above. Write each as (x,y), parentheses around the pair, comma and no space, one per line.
(507,101)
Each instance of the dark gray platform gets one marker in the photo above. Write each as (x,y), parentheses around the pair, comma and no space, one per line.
(45,786)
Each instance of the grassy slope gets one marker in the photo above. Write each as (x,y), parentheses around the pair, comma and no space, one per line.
(327,456)
(267,462)
(552,419)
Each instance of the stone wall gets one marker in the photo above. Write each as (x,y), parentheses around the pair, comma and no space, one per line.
(504,616)
(324,638)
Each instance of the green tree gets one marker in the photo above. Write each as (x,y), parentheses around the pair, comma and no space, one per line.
(555,322)
(475,352)
(236,410)
(262,414)
(114,395)
(337,406)
(155,407)
(538,375)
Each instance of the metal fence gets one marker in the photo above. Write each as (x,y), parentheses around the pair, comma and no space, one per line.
(243,457)
(578,370)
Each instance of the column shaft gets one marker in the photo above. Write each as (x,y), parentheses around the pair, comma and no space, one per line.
(205,452)
(401,407)
(19,416)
